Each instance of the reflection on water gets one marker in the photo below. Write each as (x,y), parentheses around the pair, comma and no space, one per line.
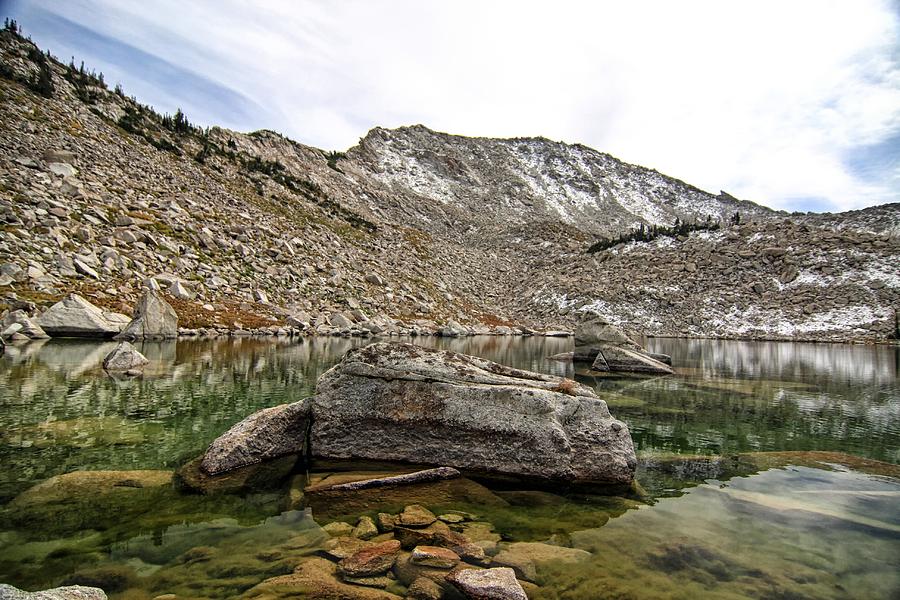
(837,363)
(784,533)
(716,527)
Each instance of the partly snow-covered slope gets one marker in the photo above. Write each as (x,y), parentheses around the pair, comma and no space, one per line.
(513,182)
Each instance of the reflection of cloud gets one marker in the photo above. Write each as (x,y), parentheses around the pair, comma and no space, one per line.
(772,101)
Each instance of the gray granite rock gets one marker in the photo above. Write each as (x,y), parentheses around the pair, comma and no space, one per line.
(266,434)
(153,318)
(407,403)
(71,592)
(76,317)
(124,357)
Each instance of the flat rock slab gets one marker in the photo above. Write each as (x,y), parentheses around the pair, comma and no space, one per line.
(76,317)
(400,402)
(626,360)
(434,556)
(425,476)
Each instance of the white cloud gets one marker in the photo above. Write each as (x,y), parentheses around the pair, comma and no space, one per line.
(765,99)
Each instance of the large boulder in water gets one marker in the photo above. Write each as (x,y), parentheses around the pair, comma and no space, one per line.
(153,318)
(74,316)
(609,349)
(400,402)
(619,359)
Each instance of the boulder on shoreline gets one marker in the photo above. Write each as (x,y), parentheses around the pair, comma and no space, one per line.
(153,318)
(19,322)
(74,316)
(400,402)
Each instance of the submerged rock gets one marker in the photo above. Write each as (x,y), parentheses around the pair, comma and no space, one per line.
(423,588)
(71,487)
(526,558)
(76,317)
(153,318)
(357,492)
(72,592)
(416,515)
(259,476)
(124,357)
(488,584)
(400,402)
(365,528)
(315,578)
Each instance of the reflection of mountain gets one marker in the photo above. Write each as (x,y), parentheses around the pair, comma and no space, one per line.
(783,360)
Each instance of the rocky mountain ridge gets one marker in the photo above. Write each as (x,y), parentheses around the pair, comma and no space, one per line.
(409,231)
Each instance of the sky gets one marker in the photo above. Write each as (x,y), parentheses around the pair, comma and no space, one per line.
(792,104)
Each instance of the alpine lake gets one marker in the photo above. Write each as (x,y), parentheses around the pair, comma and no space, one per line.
(766,470)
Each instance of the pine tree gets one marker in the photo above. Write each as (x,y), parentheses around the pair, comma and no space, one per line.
(42,82)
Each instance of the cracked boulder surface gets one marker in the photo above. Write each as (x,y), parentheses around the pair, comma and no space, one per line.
(400,402)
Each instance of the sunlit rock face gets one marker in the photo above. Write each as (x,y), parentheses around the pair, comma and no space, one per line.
(407,403)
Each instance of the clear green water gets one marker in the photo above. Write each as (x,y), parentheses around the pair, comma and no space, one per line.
(788,525)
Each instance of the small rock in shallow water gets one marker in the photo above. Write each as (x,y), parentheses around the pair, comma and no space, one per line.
(365,528)
(386,522)
(371,561)
(488,584)
(125,357)
(416,516)
(339,548)
(319,575)
(338,529)
(451,518)
(434,556)
(424,589)
(425,536)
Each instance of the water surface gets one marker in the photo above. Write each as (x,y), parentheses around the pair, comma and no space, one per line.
(778,525)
